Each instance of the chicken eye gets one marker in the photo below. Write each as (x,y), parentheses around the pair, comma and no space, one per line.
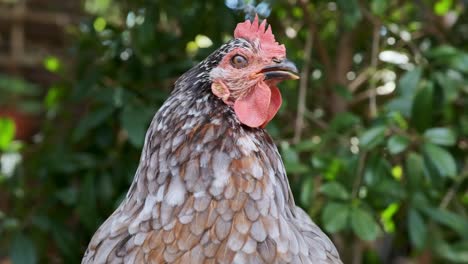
(239,61)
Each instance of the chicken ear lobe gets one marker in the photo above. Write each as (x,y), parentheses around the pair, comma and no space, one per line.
(252,108)
(219,89)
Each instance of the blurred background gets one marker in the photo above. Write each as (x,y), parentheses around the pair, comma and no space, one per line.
(374,136)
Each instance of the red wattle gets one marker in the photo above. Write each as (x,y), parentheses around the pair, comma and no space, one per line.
(253,108)
(275,104)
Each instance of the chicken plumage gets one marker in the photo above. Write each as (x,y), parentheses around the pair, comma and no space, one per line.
(211,186)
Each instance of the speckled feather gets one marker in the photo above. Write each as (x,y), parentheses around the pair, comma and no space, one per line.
(208,190)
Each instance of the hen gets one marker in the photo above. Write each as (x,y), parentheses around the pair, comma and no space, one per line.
(211,186)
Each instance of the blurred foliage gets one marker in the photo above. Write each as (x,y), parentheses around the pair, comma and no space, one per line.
(380,163)
(18,93)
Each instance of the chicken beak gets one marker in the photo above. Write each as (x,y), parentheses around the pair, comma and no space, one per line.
(280,71)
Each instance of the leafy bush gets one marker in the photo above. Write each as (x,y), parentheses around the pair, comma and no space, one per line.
(374,137)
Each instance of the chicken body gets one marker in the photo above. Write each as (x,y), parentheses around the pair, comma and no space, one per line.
(208,189)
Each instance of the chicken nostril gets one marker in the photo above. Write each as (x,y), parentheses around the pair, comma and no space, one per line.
(276,60)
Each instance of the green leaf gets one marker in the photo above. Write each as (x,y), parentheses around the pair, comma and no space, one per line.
(65,240)
(441,136)
(351,11)
(389,189)
(460,62)
(291,159)
(333,168)
(397,118)
(378,7)
(409,82)
(68,196)
(343,91)
(414,169)
(401,105)
(442,52)
(23,250)
(397,144)
(417,229)
(135,120)
(7,132)
(450,81)
(307,145)
(307,191)
(372,137)
(344,121)
(335,190)
(457,222)
(441,159)
(288,154)
(12,87)
(296,167)
(363,224)
(87,207)
(376,169)
(452,252)
(92,120)
(421,112)
(335,216)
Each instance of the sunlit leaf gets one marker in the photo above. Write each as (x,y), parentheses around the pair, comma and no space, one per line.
(397,172)
(52,64)
(99,24)
(7,132)
(441,7)
(387,217)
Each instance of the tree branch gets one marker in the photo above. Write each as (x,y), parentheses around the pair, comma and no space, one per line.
(374,57)
(374,61)
(319,45)
(360,79)
(301,105)
(359,174)
(453,189)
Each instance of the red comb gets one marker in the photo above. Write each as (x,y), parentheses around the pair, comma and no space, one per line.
(254,30)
